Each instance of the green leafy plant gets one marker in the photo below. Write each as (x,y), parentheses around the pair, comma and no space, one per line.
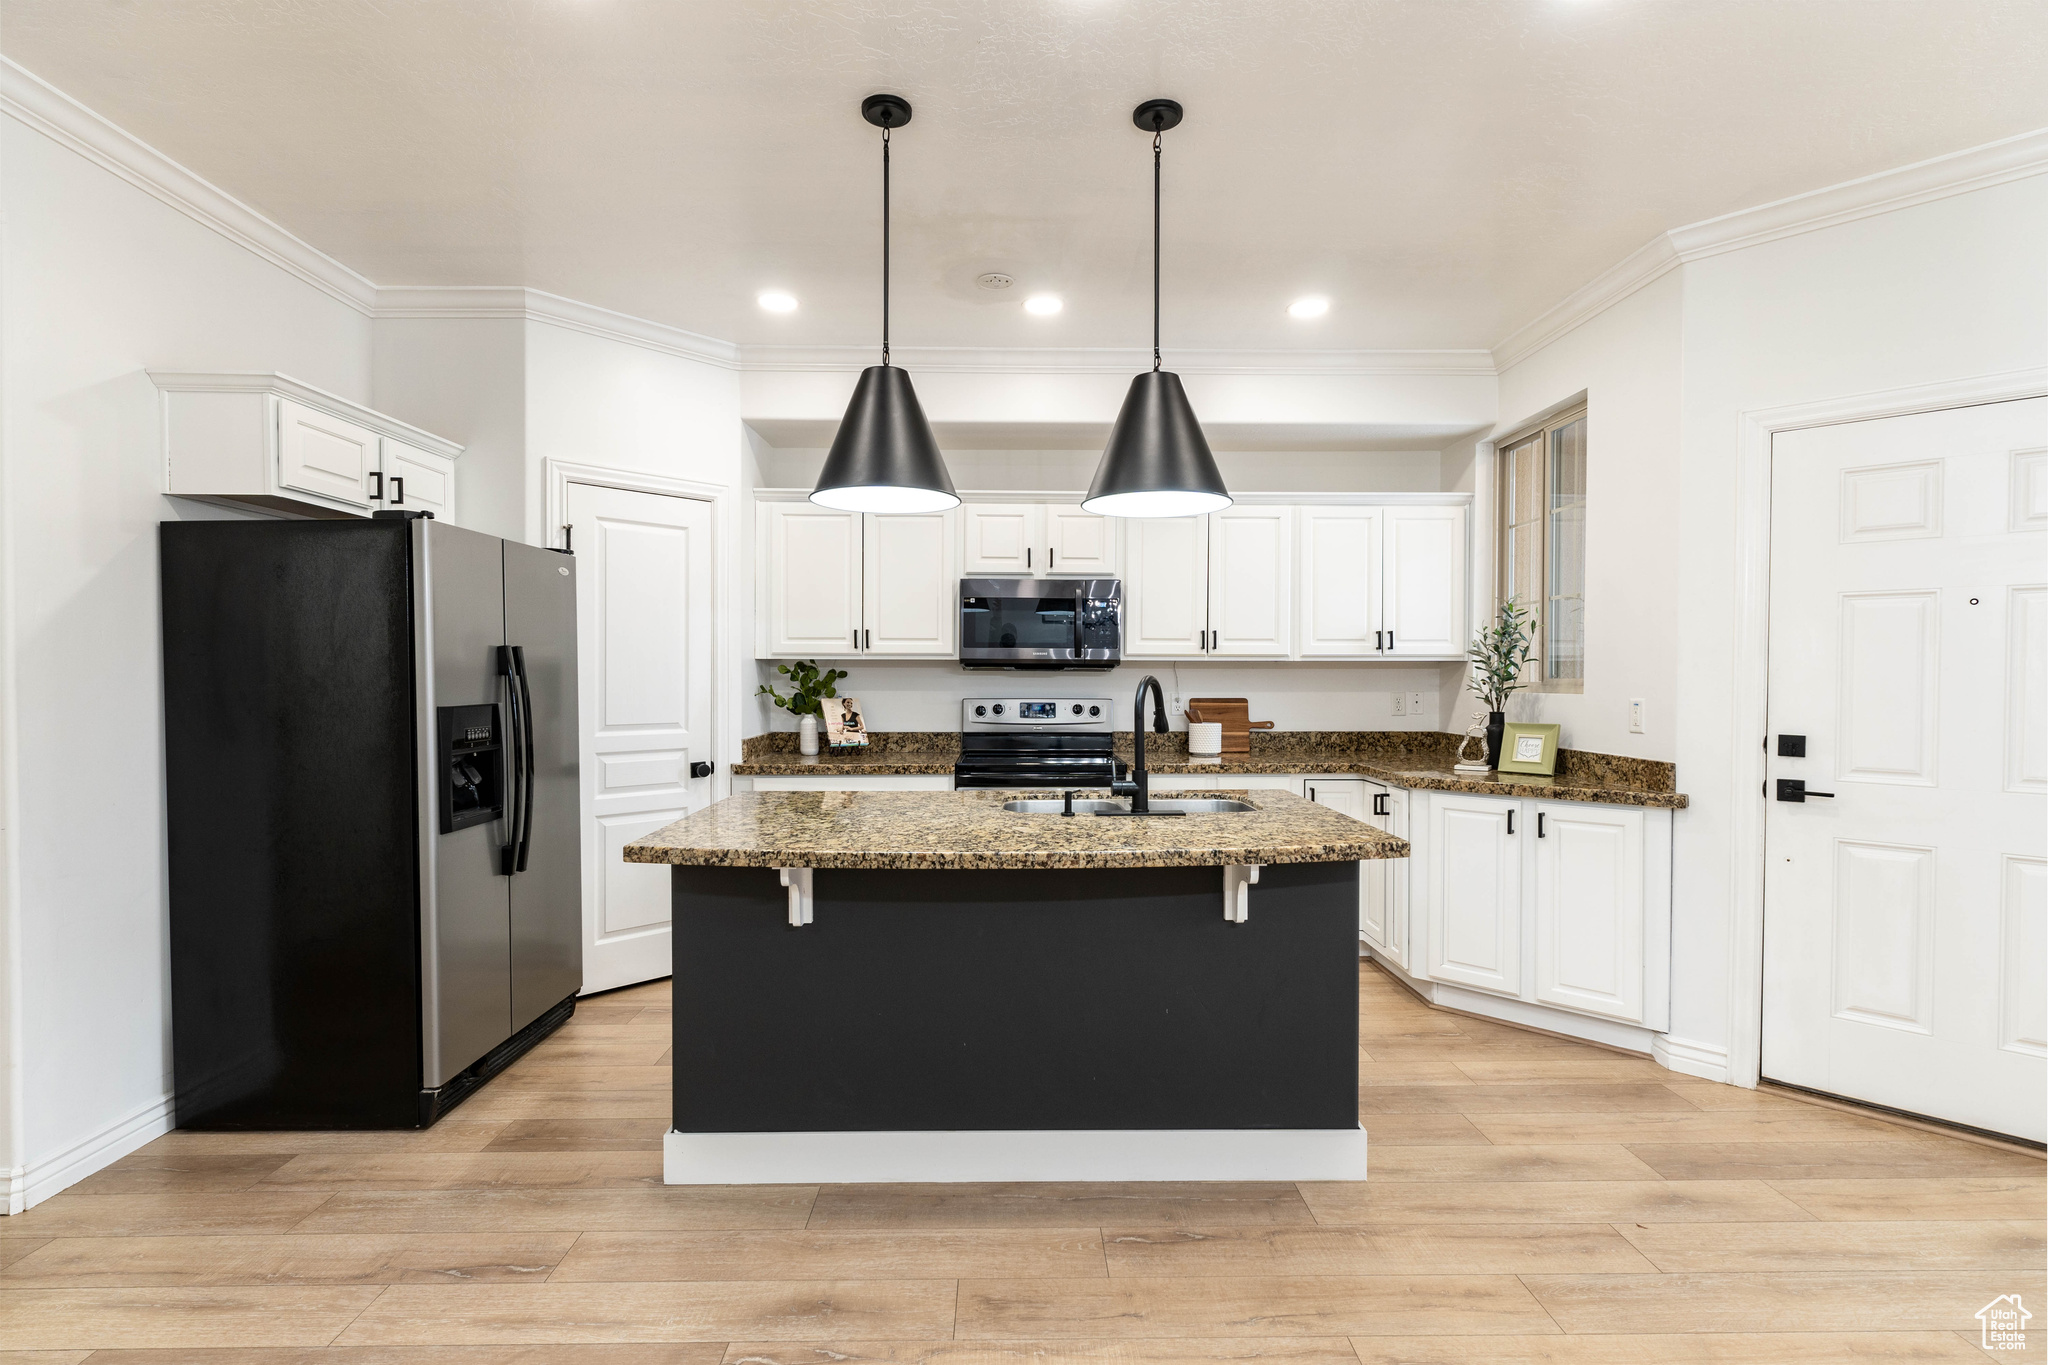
(807,685)
(1500,652)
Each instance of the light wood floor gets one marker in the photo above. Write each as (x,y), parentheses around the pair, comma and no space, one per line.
(1532,1200)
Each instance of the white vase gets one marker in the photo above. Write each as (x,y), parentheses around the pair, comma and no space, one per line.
(807,735)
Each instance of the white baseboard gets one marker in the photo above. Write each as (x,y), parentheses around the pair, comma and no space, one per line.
(32,1184)
(1052,1154)
(1705,1060)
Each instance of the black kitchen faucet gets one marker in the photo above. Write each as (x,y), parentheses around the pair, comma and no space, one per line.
(1139,788)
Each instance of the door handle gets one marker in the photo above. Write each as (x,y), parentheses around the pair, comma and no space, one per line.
(377,491)
(568,538)
(867,639)
(1539,826)
(1511,820)
(508,854)
(1311,793)
(526,815)
(397,490)
(1390,639)
(702,769)
(1379,639)
(1027,556)
(1794,789)
(1052,556)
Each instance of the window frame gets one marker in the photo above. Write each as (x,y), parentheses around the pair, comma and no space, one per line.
(1543,431)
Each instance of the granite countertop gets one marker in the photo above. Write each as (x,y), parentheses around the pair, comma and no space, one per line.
(970,829)
(1417,759)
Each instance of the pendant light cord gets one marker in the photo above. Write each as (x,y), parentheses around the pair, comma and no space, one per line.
(885,244)
(1157,134)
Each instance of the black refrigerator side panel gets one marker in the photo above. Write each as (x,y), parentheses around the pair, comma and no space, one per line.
(288,721)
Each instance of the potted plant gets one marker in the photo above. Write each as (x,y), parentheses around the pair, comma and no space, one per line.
(808,685)
(1498,655)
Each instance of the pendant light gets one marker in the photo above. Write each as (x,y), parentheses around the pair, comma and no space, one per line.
(884,458)
(1157,463)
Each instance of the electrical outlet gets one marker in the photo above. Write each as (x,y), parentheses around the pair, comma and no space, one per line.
(1174,708)
(1400,703)
(1414,703)
(1635,715)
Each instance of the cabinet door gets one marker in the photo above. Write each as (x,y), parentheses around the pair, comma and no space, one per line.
(1423,604)
(1589,908)
(811,566)
(911,582)
(1395,822)
(417,481)
(1251,581)
(324,455)
(1475,892)
(1166,587)
(1001,538)
(1079,544)
(1357,798)
(1340,581)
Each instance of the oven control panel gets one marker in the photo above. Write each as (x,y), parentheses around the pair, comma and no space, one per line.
(1066,714)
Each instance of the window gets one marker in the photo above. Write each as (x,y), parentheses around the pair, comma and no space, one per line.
(1542,551)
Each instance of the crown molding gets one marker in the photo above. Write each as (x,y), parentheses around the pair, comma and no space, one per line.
(1114,360)
(535,305)
(35,103)
(1941,177)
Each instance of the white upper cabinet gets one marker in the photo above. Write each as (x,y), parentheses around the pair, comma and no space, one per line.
(1002,538)
(1340,581)
(810,578)
(326,455)
(1590,908)
(1423,603)
(1166,589)
(1079,544)
(910,601)
(270,442)
(1251,574)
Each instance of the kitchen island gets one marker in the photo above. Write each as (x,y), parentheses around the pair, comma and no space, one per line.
(930,986)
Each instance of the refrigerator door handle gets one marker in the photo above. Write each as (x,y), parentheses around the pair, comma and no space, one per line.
(509,665)
(526,710)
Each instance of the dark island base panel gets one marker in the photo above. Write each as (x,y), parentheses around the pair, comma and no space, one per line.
(1016,1000)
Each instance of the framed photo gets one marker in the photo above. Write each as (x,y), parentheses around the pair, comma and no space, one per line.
(845,727)
(1526,748)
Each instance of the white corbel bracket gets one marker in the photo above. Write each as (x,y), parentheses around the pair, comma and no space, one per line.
(798,880)
(1237,891)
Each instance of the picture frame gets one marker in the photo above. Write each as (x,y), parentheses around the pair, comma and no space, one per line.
(1528,748)
(845,726)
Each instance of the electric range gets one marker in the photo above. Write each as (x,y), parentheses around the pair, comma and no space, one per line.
(1036,742)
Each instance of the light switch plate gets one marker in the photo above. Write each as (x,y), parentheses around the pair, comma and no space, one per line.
(1400,703)
(1635,715)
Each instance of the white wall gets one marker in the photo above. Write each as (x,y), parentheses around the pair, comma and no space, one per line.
(1943,290)
(1627,362)
(101,281)
(465,379)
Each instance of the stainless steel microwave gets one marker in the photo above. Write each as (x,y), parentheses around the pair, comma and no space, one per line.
(1041,623)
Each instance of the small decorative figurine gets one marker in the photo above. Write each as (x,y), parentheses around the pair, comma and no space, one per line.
(1475,733)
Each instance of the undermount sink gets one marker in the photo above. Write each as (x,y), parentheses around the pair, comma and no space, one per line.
(1160,806)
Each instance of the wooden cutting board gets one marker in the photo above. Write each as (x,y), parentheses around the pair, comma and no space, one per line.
(1234,714)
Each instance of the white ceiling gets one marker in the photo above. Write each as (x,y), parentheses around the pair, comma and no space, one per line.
(1444,170)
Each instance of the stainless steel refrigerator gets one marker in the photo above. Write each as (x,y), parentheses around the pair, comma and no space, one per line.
(371,759)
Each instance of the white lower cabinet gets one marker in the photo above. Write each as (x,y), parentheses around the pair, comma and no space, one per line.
(1474,876)
(1589,908)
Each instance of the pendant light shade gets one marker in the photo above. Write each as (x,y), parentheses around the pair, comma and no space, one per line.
(884,458)
(1157,463)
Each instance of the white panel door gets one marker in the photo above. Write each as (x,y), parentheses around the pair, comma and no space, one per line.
(1340,582)
(1423,603)
(1251,582)
(1903,955)
(1475,891)
(1589,908)
(810,562)
(417,480)
(1166,587)
(1079,544)
(911,584)
(318,453)
(643,625)
(1001,538)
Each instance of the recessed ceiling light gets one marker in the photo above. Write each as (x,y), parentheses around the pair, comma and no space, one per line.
(1045,305)
(1313,306)
(775,301)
